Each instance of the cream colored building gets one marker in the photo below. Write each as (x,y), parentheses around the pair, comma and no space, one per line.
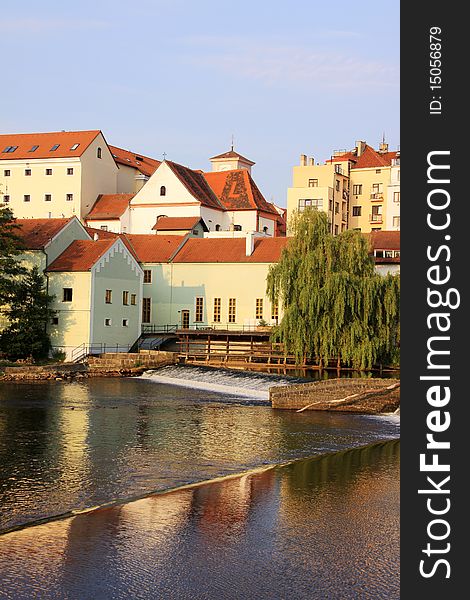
(367,195)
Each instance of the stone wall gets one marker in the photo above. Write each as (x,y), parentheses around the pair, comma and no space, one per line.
(146,359)
(370,395)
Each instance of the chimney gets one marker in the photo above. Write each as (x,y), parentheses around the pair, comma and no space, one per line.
(311,162)
(360,147)
(303,160)
(250,243)
(95,237)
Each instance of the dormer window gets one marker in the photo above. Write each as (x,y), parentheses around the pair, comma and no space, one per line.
(163,191)
(98,153)
(54,147)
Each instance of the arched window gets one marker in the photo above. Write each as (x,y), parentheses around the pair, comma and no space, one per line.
(163,191)
(217,227)
(98,153)
(265,229)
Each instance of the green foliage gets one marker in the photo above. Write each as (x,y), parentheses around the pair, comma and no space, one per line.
(335,305)
(58,355)
(10,248)
(28,314)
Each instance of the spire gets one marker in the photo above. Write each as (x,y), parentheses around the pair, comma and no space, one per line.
(232,142)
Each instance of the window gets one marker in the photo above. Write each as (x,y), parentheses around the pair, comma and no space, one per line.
(10,148)
(217,305)
(133,299)
(7,173)
(27,172)
(313,183)
(259,308)
(27,198)
(69,170)
(232,307)
(48,171)
(376,188)
(54,147)
(315,203)
(336,208)
(146,310)
(6,198)
(357,189)
(125,298)
(237,227)
(396,254)
(33,148)
(104,227)
(199,310)
(217,227)
(396,221)
(69,197)
(330,204)
(378,170)
(376,216)
(108,296)
(336,229)
(147,276)
(75,146)
(396,196)
(338,169)
(163,191)
(47,197)
(275,311)
(107,322)
(55,321)
(356,211)
(337,185)
(98,153)
(125,322)
(67,295)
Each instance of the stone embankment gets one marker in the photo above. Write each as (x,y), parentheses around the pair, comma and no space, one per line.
(105,365)
(366,396)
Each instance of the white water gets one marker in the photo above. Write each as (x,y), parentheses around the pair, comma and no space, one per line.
(234,383)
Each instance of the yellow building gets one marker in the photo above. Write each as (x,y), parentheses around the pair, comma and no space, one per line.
(359,189)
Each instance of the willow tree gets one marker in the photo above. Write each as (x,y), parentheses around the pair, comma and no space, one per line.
(335,305)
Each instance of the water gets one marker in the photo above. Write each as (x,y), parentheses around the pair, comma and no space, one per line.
(68,446)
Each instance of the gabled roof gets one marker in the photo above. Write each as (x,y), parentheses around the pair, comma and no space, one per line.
(37,233)
(109,206)
(100,234)
(178,223)
(384,240)
(369,158)
(237,191)
(232,154)
(66,140)
(81,255)
(230,250)
(151,248)
(196,185)
(146,165)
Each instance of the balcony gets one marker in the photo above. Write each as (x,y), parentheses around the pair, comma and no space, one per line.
(377,196)
(375,218)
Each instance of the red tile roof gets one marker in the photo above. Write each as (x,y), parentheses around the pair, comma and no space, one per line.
(230,250)
(151,248)
(233,154)
(101,234)
(384,240)
(109,206)
(369,158)
(176,223)
(81,255)
(146,165)
(45,141)
(36,233)
(237,191)
(195,183)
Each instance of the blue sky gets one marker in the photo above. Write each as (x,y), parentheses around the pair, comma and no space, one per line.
(182,76)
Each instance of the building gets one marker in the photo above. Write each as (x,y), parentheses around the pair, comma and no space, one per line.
(385,248)
(358,189)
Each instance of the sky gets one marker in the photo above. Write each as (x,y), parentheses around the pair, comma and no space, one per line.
(181,77)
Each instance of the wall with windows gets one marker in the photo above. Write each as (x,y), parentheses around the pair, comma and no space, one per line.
(393,200)
(369,202)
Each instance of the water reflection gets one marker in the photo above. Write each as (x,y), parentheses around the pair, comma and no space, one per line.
(315,529)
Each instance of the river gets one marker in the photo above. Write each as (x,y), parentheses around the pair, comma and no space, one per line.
(302,506)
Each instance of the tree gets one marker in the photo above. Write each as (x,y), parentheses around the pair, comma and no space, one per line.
(28,315)
(10,247)
(335,305)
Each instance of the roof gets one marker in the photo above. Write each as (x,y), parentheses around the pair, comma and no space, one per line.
(37,233)
(196,185)
(232,154)
(237,191)
(81,255)
(109,206)
(151,248)
(101,234)
(146,165)
(230,250)
(178,223)
(66,140)
(369,158)
(384,240)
